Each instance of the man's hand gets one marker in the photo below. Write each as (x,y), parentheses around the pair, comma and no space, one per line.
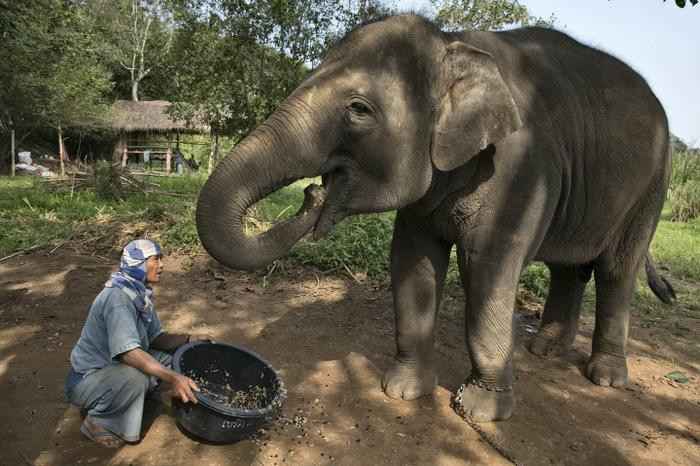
(183,388)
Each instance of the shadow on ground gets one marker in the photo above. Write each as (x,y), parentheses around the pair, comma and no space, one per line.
(331,339)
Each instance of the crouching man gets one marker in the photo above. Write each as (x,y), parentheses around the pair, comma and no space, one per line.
(122,353)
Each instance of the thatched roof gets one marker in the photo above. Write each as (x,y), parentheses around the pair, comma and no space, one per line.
(150,116)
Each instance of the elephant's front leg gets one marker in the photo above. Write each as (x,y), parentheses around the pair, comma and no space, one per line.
(418,267)
(490,285)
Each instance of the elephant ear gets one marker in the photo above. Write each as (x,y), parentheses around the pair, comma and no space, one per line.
(476,107)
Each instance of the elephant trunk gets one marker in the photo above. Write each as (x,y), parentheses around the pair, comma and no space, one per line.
(271,157)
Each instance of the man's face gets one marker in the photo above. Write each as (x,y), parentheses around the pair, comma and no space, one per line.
(154,267)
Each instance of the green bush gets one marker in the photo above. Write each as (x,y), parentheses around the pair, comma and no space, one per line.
(686,167)
(685,201)
(684,189)
(108,185)
(535,279)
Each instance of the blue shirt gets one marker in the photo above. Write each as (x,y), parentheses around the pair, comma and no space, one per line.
(113,326)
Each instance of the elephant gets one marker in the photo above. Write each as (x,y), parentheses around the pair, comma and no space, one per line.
(514,146)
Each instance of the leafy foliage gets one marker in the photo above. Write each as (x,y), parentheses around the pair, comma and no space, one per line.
(686,167)
(138,35)
(682,3)
(535,279)
(227,62)
(49,66)
(684,190)
(486,15)
(240,59)
(677,144)
(685,201)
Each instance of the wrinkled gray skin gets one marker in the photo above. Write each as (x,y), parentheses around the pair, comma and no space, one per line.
(514,146)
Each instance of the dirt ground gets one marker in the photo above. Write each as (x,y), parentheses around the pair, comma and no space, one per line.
(331,338)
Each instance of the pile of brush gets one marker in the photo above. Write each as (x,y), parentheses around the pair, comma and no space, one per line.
(108,180)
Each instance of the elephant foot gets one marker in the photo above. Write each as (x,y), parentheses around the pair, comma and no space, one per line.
(548,344)
(607,370)
(408,381)
(478,402)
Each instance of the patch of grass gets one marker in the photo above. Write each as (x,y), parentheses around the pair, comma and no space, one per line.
(677,246)
(32,215)
(181,234)
(359,244)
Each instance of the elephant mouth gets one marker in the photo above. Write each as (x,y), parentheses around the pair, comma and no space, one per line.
(334,192)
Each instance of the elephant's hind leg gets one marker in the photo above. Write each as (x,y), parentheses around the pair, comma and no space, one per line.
(614,291)
(561,311)
(615,279)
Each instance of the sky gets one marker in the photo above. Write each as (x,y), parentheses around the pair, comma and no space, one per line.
(656,38)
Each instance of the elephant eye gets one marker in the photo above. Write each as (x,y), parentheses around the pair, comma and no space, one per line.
(360,108)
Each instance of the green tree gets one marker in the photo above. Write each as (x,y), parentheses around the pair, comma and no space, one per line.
(137,37)
(50,67)
(681,3)
(484,15)
(239,59)
(677,144)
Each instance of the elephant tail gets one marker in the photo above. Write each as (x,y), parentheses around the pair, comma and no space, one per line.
(658,284)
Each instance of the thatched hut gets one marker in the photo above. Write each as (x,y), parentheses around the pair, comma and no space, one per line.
(137,121)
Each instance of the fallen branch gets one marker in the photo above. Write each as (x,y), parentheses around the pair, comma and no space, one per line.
(20,252)
(167,193)
(61,244)
(352,275)
(122,182)
(148,174)
(272,270)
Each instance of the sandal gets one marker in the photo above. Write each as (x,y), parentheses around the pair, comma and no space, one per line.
(100,435)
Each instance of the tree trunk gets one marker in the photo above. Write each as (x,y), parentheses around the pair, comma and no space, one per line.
(135,90)
(60,151)
(12,152)
(214,150)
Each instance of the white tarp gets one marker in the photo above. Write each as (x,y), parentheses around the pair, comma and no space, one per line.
(25,157)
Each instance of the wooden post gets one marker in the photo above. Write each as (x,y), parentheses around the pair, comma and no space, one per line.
(212,151)
(168,156)
(212,148)
(216,147)
(119,149)
(60,151)
(12,151)
(125,155)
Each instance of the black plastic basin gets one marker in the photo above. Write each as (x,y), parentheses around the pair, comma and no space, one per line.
(237,368)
